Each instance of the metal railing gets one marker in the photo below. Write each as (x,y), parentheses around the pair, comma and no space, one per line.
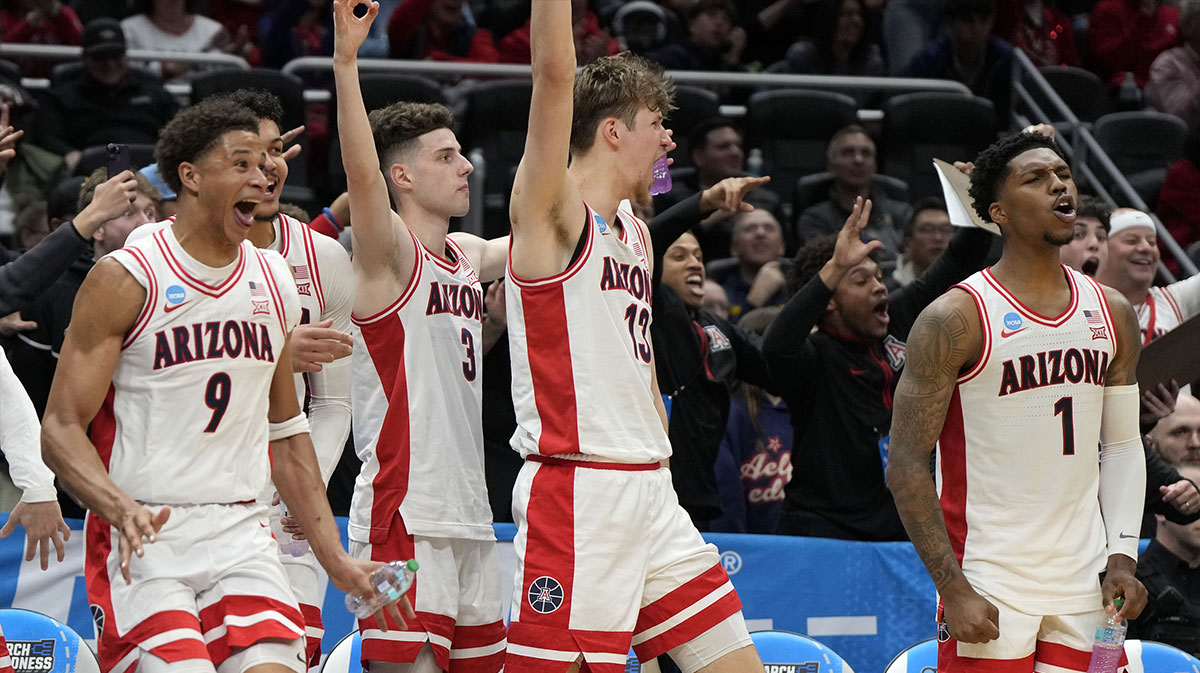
(1086,147)
(58,52)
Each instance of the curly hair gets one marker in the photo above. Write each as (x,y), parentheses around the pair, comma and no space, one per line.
(194,132)
(263,103)
(1092,206)
(616,86)
(397,127)
(992,167)
(809,260)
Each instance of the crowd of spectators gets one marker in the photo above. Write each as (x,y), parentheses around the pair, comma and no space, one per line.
(778,341)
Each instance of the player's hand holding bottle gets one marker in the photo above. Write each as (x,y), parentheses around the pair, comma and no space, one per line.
(355,577)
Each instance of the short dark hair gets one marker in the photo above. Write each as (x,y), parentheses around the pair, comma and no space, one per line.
(397,127)
(809,259)
(698,136)
(263,103)
(1093,206)
(706,6)
(992,167)
(847,130)
(923,204)
(194,132)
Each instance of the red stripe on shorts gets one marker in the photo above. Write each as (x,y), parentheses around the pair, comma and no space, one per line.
(953,462)
(5,660)
(949,661)
(690,628)
(486,636)
(273,620)
(1061,656)
(314,629)
(549,547)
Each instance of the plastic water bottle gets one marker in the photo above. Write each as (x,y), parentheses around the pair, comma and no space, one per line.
(1109,643)
(754,163)
(390,580)
(662,177)
(293,548)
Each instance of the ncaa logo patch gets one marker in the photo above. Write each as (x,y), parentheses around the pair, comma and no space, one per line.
(600,223)
(545,595)
(175,294)
(1012,321)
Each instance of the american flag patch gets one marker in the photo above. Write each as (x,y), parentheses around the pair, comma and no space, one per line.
(258,290)
(301,272)
(1093,318)
(637,249)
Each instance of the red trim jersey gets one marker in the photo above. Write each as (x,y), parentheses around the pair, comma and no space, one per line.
(1018,458)
(185,420)
(581,352)
(417,403)
(1166,308)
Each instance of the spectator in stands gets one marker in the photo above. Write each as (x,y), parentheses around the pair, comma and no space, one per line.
(755,278)
(926,236)
(1088,249)
(1041,30)
(241,17)
(29,171)
(442,30)
(1177,437)
(1170,570)
(591,39)
(1174,84)
(838,379)
(1125,36)
(851,161)
(773,25)
(841,45)
(714,40)
(167,198)
(38,22)
(293,28)
(715,300)
(640,26)
(108,103)
(176,25)
(970,54)
(754,463)
(32,224)
(699,355)
(1132,263)
(1176,205)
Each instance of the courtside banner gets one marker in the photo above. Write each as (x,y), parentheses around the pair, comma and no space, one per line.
(866,601)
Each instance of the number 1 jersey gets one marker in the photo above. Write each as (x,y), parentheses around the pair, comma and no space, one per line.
(1018,457)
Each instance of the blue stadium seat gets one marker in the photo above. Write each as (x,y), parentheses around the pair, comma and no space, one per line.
(796,652)
(1147,656)
(346,656)
(917,658)
(32,635)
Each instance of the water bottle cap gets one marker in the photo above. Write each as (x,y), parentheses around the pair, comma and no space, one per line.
(413,565)
(1118,602)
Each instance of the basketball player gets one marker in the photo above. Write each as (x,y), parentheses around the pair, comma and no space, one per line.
(1024,369)
(417,392)
(605,554)
(190,329)
(325,284)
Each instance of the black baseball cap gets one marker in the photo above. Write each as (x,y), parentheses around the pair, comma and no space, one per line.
(103,36)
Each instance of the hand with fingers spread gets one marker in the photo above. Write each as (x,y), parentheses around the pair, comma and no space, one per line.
(293,151)
(349,30)
(318,344)
(137,525)
(850,249)
(728,195)
(44,526)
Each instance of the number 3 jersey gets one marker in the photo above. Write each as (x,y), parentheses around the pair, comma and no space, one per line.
(417,405)
(185,420)
(581,352)
(1018,457)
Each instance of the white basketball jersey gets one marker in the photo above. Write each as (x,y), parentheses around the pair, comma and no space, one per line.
(581,352)
(1018,457)
(417,401)
(1166,308)
(185,420)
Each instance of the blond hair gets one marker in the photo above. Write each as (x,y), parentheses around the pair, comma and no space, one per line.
(616,86)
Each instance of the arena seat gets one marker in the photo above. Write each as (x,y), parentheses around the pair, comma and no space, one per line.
(1082,91)
(916,658)
(32,634)
(345,657)
(812,189)
(920,126)
(784,648)
(692,106)
(1142,145)
(792,128)
(1147,656)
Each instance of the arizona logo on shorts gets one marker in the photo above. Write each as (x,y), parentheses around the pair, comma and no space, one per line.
(98,618)
(545,595)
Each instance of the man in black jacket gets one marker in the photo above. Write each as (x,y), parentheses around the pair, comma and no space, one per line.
(838,380)
(698,355)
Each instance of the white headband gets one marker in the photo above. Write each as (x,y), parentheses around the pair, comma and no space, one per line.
(1126,218)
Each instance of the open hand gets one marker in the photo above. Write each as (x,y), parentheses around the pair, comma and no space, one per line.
(137,525)
(44,525)
(318,344)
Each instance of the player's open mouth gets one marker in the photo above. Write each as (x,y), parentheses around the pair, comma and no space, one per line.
(881,311)
(243,212)
(1090,266)
(1064,208)
(695,283)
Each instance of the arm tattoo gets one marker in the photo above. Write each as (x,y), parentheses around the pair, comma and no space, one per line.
(941,342)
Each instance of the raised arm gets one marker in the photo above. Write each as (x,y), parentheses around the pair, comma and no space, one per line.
(946,336)
(546,210)
(384,254)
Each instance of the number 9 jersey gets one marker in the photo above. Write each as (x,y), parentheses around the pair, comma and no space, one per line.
(185,420)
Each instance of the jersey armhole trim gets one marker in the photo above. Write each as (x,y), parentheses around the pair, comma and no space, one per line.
(985,350)
(564,275)
(147,311)
(406,294)
(1170,296)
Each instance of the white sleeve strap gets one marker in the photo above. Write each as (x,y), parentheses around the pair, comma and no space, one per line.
(296,425)
(1122,469)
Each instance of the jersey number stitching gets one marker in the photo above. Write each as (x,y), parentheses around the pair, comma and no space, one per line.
(216,396)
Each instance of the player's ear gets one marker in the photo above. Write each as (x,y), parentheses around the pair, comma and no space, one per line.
(999,216)
(399,176)
(189,176)
(98,235)
(610,131)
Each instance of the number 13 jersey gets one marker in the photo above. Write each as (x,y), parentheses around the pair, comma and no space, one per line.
(1018,457)
(581,352)
(185,421)
(417,404)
